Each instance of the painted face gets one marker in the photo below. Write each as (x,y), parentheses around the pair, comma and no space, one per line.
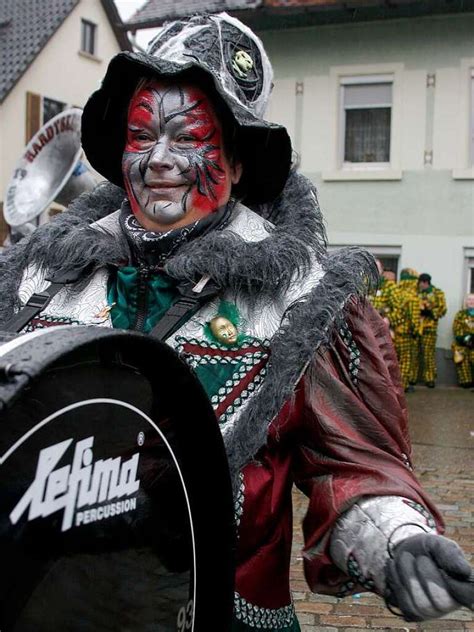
(174,165)
(224,330)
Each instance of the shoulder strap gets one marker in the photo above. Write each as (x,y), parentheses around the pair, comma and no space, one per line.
(192,299)
(35,304)
(40,300)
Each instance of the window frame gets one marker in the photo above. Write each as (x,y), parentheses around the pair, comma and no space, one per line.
(470,275)
(464,168)
(87,26)
(360,80)
(337,171)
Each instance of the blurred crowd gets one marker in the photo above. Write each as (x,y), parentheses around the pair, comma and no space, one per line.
(412,308)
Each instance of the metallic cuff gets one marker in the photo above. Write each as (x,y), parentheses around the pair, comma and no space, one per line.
(362,538)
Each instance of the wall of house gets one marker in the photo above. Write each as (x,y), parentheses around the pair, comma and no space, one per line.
(423,211)
(59,72)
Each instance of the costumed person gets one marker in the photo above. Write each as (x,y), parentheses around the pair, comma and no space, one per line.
(298,366)
(432,308)
(463,345)
(386,299)
(407,330)
(389,275)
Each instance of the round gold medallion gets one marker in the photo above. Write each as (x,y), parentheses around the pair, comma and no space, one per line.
(223,330)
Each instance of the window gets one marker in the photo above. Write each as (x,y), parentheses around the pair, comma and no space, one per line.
(39,110)
(366,121)
(390,264)
(470,276)
(88,36)
(51,108)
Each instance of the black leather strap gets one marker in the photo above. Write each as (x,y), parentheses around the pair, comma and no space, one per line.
(35,304)
(193,298)
(182,310)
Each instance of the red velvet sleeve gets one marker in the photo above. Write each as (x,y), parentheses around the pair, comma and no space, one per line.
(353,436)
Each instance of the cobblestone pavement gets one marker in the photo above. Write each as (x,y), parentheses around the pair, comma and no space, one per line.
(442,431)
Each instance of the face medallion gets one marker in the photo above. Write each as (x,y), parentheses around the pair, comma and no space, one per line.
(174,165)
(223,330)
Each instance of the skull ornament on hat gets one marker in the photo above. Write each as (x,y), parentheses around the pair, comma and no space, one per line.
(226,49)
(219,53)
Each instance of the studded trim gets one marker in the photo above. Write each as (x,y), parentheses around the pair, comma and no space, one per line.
(407,463)
(239,501)
(259,618)
(356,573)
(423,511)
(354,353)
(361,538)
(44,321)
(250,359)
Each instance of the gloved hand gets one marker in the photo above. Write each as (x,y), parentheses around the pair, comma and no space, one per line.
(427,577)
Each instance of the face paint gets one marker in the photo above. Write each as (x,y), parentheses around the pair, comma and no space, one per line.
(174,165)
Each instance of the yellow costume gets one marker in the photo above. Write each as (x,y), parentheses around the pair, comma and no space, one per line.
(407,329)
(386,301)
(463,346)
(432,305)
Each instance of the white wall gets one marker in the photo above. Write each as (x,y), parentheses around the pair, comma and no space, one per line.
(444,261)
(413,48)
(59,72)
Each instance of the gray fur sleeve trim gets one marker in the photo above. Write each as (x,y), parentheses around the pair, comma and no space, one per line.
(361,538)
(67,240)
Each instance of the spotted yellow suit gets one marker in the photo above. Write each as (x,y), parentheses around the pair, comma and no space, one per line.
(407,329)
(386,301)
(463,346)
(432,305)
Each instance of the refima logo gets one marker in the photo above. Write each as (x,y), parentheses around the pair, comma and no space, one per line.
(85,483)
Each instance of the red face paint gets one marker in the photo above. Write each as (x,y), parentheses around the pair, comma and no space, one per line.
(174,165)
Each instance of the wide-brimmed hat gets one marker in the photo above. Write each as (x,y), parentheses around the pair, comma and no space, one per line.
(216,50)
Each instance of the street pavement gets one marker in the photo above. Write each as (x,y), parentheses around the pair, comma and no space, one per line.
(442,431)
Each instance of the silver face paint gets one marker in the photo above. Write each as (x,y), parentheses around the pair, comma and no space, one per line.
(174,166)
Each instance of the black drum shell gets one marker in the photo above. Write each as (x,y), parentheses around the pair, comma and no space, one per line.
(50,370)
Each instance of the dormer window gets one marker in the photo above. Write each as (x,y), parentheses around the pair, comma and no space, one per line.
(88,37)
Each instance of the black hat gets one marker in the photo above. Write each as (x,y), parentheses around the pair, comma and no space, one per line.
(425,277)
(215,49)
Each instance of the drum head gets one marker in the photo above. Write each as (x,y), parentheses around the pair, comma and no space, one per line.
(116,509)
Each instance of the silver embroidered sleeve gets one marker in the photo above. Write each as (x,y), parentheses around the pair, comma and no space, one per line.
(361,537)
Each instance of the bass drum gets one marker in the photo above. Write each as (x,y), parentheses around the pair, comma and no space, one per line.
(116,508)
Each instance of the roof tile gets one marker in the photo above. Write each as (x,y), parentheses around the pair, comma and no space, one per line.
(160,10)
(25,27)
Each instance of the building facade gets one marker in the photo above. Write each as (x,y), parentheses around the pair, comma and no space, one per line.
(381,114)
(54,55)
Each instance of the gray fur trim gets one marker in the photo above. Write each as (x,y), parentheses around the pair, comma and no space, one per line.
(310,324)
(266,268)
(66,243)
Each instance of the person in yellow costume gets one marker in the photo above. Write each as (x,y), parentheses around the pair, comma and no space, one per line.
(407,329)
(463,345)
(386,299)
(432,308)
